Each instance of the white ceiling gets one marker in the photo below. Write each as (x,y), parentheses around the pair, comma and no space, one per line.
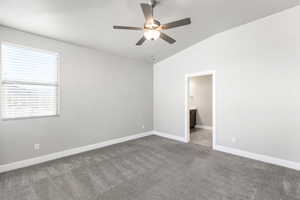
(89,22)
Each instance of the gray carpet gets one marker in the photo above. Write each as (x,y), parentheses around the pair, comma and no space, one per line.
(151,168)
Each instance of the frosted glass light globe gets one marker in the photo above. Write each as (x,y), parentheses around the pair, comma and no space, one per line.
(151,34)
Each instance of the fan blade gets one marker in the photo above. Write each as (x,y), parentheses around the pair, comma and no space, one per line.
(127,27)
(148,11)
(178,23)
(167,38)
(141,41)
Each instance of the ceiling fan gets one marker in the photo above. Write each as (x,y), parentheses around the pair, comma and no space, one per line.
(152,27)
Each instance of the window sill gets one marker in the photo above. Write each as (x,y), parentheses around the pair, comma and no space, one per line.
(26,118)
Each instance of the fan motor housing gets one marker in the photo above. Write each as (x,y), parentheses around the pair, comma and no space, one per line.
(154,24)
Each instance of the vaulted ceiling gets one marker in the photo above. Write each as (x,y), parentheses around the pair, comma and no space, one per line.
(89,22)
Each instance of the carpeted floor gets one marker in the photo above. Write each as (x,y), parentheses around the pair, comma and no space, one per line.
(151,168)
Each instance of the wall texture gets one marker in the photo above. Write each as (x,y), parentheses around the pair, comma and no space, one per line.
(102,97)
(201,98)
(257,86)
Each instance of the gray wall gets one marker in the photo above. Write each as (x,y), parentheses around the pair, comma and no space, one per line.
(257,86)
(102,97)
(201,97)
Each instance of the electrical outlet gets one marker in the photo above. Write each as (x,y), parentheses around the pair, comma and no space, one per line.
(143,126)
(36,147)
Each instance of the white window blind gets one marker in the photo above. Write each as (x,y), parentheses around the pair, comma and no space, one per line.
(29,82)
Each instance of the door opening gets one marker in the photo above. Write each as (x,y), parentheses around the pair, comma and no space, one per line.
(200,123)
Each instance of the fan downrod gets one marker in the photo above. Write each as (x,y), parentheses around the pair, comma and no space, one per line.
(153,3)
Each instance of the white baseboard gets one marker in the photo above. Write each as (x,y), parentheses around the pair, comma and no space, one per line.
(49,157)
(260,157)
(169,136)
(204,127)
(53,156)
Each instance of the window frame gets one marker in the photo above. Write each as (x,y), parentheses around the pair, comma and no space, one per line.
(58,85)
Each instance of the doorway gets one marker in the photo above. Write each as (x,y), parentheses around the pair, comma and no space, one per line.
(200,123)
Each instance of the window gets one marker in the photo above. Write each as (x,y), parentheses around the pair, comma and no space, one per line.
(29,82)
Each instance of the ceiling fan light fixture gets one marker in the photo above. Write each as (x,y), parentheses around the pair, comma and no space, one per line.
(151,34)
(152,27)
